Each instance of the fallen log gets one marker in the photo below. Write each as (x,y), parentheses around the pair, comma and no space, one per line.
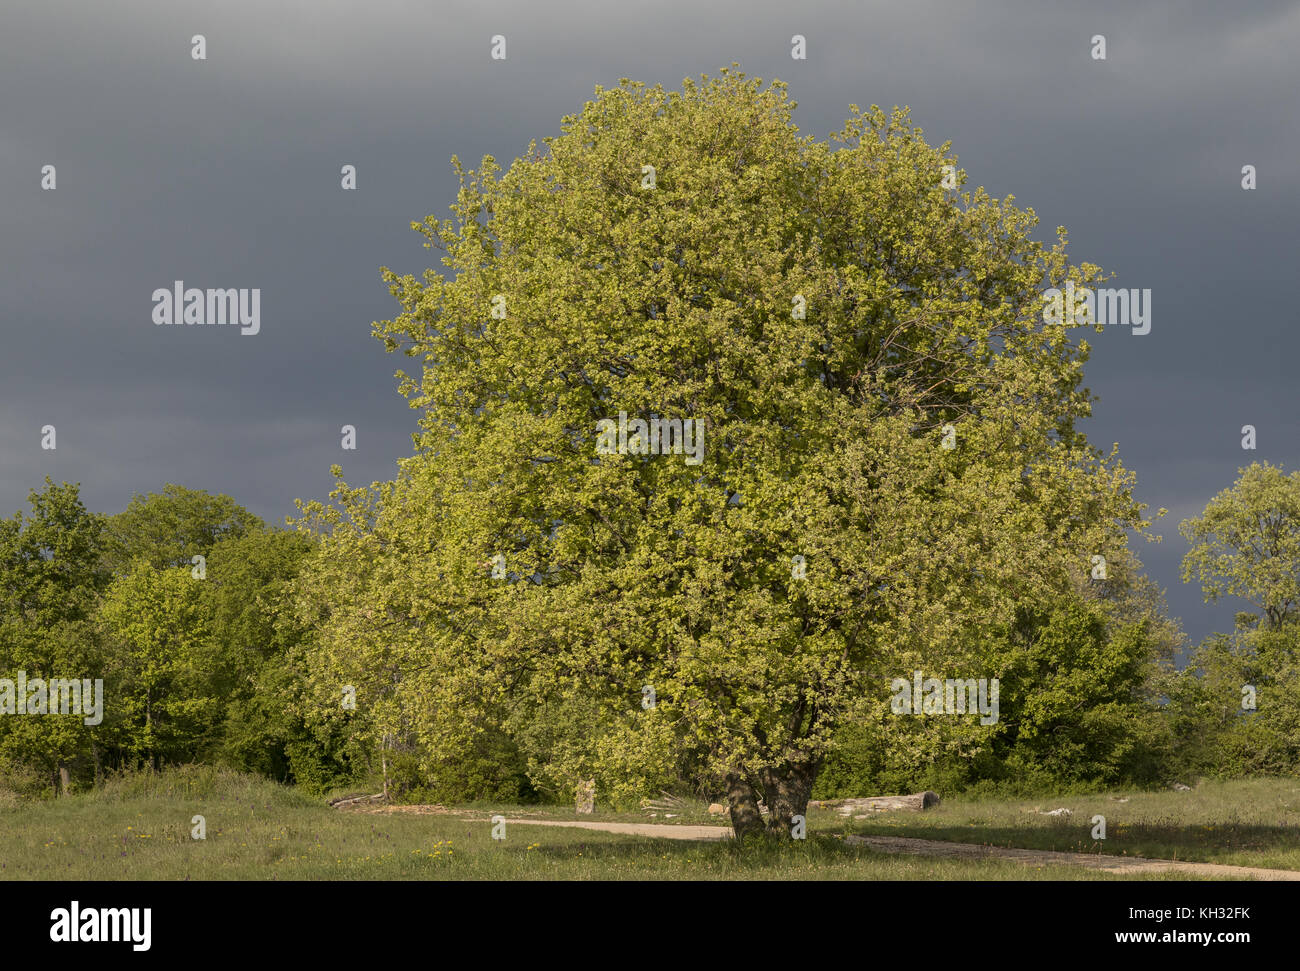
(875,804)
(349,800)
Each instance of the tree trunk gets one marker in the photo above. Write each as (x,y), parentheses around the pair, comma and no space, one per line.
(743,804)
(786,790)
(64,779)
(148,727)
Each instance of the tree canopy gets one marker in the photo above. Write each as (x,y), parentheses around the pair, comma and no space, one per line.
(890,465)
(1247,544)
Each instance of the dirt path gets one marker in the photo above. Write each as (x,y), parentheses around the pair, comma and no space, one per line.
(923,847)
(1093,861)
(662,830)
(902,844)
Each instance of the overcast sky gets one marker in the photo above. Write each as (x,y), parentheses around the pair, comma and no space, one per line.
(225,173)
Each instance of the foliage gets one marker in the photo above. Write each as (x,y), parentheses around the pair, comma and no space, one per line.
(161,677)
(169,528)
(575,294)
(50,580)
(1247,544)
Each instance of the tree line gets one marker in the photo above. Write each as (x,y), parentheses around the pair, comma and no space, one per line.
(247,658)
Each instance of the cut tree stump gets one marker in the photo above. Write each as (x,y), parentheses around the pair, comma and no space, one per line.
(876,804)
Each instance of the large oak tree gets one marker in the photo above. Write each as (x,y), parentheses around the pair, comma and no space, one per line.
(866,352)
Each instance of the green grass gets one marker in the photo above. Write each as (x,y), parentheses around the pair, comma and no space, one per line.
(1253,822)
(139,828)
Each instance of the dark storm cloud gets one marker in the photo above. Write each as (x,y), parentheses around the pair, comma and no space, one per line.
(225,173)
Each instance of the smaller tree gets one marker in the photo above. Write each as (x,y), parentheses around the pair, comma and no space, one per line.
(262,662)
(168,528)
(162,663)
(247,576)
(1247,544)
(50,579)
(1235,707)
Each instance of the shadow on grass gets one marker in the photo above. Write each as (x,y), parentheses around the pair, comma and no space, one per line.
(1201,843)
(756,851)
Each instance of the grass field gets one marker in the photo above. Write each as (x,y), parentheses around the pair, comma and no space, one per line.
(1244,823)
(139,828)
